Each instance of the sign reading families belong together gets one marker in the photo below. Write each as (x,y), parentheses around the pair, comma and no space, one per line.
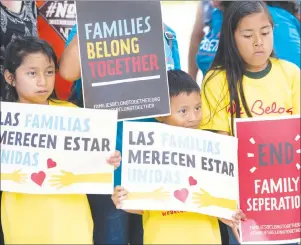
(54,149)
(269,179)
(179,169)
(122,57)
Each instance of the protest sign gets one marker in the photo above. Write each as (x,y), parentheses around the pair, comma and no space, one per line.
(179,169)
(56,149)
(60,15)
(122,57)
(269,179)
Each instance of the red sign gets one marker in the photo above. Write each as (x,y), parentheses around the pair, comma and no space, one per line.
(55,21)
(269,179)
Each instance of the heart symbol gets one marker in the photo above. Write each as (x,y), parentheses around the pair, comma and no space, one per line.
(192,181)
(51,163)
(38,178)
(181,195)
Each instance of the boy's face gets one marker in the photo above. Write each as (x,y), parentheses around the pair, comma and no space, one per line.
(185,111)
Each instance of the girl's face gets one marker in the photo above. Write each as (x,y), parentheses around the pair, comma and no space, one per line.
(34,79)
(254,40)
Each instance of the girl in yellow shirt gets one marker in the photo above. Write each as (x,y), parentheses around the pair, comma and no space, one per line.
(30,65)
(245,79)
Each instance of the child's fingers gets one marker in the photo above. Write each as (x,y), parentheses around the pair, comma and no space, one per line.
(122,193)
(239,215)
(115,155)
(235,222)
(118,188)
(113,159)
(118,199)
(242,214)
(236,218)
(119,193)
(119,206)
(114,162)
(227,222)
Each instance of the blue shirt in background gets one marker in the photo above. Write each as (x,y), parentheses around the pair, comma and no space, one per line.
(209,44)
(172,63)
(286,38)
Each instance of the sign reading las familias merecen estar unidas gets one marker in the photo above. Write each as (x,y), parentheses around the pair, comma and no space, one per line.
(123,58)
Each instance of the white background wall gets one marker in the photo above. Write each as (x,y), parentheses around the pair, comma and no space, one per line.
(180,16)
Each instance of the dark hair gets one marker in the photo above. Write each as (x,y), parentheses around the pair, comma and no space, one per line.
(290,6)
(227,57)
(180,82)
(15,53)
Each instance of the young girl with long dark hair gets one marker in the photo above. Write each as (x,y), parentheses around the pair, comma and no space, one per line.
(30,66)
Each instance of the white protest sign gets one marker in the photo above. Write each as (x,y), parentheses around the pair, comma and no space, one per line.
(179,169)
(56,149)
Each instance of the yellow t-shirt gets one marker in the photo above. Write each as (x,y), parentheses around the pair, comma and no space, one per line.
(276,94)
(174,227)
(46,219)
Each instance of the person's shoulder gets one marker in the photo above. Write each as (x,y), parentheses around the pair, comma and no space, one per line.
(61,103)
(284,64)
(217,13)
(282,15)
(216,76)
(290,70)
(215,82)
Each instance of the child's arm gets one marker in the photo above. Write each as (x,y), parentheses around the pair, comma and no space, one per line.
(70,61)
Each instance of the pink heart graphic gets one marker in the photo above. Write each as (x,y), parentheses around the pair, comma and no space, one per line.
(192,181)
(51,163)
(38,178)
(181,195)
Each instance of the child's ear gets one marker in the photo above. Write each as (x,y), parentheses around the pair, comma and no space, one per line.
(9,78)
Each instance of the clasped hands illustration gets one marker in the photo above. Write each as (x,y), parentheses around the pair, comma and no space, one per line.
(65,178)
(202,198)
